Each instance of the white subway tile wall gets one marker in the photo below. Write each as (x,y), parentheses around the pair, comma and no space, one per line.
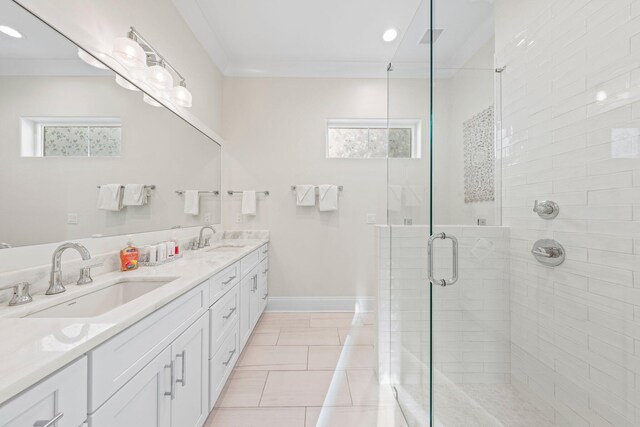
(571,128)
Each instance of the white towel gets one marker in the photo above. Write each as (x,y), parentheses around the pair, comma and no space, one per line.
(192,202)
(395,197)
(305,195)
(249,202)
(327,197)
(134,195)
(110,197)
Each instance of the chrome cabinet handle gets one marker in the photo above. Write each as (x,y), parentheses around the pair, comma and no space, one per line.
(265,271)
(229,281)
(265,297)
(231,353)
(230,313)
(454,250)
(172,391)
(254,287)
(183,356)
(49,423)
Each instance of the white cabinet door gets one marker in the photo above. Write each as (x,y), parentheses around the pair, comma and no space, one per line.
(191,380)
(145,401)
(221,364)
(247,292)
(264,284)
(63,395)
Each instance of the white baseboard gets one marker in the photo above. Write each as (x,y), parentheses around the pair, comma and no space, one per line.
(321,304)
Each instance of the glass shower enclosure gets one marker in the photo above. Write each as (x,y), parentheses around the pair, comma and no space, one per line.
(509,291)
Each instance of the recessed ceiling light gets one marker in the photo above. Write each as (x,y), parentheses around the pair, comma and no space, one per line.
(11,32)
(390,35)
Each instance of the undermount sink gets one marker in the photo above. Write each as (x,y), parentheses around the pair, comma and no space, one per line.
(225,248)
(103,300)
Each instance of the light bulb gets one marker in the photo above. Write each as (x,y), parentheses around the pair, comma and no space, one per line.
(125,83)
(158,77)
(181,96)
(129,52)
(90,60)
(390,35)
(149,100)
(11,32)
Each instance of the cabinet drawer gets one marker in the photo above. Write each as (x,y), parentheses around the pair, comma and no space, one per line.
(64,392)
(221,364)
(116,361)
(224,314)
(249,261)
(264,251)
(223,281)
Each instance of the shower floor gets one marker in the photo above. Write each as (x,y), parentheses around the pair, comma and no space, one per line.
(472,405)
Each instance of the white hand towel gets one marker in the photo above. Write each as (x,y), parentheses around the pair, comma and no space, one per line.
(305,195)
(192,202)
(249,202)
(134,195)
(327,197)
(395,197)
(110,197)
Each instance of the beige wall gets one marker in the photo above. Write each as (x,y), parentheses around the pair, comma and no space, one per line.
(275,137)
(183,158)
(468,92)
(94,24)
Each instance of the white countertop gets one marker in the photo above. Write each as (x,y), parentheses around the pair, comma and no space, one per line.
(33,348)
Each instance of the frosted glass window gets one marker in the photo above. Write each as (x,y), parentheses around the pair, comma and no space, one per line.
(70,136)
(346,140)
(81,141)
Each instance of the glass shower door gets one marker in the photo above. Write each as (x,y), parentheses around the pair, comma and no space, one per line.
(449,299)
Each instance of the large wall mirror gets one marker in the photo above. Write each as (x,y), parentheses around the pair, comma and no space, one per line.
(70,133)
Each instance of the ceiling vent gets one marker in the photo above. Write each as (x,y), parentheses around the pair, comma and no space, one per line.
(426,39)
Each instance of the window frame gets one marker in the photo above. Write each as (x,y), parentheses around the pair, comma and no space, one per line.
(32,132)
(414,124)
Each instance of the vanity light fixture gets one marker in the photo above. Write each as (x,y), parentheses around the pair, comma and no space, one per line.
(158,77)
(90,59)
(149,100)
(151,67)
(11,32)
(125,83)
(181,95)
(128,52)
(390,35)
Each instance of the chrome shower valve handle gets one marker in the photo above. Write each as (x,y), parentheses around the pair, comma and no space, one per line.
(546,209)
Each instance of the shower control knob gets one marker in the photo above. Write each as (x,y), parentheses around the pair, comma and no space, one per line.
(546,209)
(548,252)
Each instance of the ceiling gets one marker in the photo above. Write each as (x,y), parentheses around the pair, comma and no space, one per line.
(334,38)
(41,51)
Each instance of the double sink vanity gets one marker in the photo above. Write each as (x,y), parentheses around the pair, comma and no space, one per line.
(151,347)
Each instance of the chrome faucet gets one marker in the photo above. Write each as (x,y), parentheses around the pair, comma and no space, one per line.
(201,241)
(55,282)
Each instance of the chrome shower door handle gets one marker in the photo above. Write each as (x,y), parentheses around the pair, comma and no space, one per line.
(454,253)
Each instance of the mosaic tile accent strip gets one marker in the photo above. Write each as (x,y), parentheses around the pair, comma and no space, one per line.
(479,154)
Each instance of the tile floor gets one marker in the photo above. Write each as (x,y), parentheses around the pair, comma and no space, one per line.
(307,370)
